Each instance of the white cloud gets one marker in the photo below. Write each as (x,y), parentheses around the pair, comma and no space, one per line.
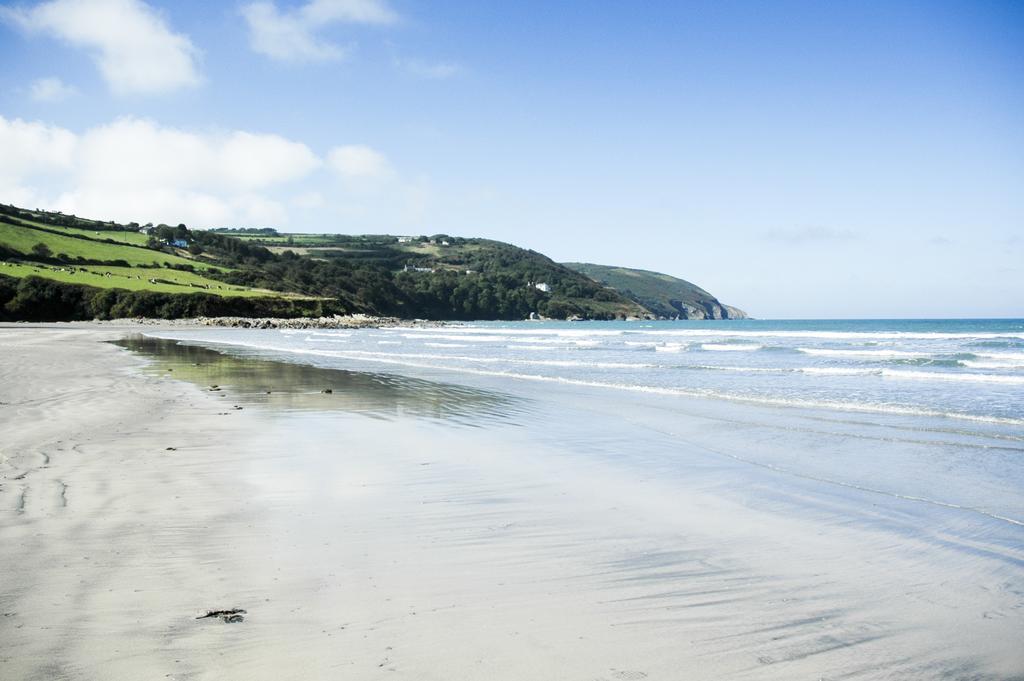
(320,12)
(309,200)
(290,35)
(34,148)
(285,37)
(358,161)
(134,169)
(50,90)
(131,152)
(440,70)
(131,43)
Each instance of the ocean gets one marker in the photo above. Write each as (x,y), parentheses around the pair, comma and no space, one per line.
(962,370)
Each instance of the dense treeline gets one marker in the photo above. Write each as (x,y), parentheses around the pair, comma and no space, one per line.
(497,285)
(44,300)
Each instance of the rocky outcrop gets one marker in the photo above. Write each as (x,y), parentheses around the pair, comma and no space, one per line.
(735,312)
(707,310)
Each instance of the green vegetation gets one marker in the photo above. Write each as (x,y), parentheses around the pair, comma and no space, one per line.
(55,266)
(126,235)
(664,295)
(22,239)
(38,299)
(438,277)
(128,278)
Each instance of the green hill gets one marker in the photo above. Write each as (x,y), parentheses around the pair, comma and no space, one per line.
(664,295)
(435,277)
(55,266)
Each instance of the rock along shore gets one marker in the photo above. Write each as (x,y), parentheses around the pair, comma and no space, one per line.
(357,321)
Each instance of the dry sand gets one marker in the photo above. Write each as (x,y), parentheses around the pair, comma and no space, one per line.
(361,548)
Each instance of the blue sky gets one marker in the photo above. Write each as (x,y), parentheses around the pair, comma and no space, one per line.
(796,159)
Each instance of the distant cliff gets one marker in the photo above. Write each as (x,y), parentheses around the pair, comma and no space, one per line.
(663,295)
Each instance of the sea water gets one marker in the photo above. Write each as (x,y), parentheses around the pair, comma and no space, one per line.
(963,370)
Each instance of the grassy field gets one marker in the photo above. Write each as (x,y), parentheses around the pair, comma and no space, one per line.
(131,279)
(120,236)
(22,239)
(126,237)
(140,275)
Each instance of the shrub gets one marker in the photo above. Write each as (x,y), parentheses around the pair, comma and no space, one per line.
(42,251)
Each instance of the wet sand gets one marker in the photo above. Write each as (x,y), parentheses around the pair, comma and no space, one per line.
(399,528)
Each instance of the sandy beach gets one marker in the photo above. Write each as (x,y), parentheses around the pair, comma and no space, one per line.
(364,540)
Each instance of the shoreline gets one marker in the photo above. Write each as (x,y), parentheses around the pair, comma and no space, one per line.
(336,322)
(134,500)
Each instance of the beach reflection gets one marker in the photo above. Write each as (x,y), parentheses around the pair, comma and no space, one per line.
(300,387)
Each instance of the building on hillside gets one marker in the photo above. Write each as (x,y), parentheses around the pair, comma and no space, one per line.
(542,287)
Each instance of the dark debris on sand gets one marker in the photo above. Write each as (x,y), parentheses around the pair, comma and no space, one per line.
(232,616)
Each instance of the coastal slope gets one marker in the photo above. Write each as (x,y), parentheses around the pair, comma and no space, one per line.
(56,267)
(663,295)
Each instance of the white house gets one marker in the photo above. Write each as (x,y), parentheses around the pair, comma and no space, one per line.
(542,287)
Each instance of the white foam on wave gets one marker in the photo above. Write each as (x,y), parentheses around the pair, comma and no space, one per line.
(731,347)
(735,369)
(469,330)
(445,345)
(671,347)
(833,335)
(388,342)
(990,364)
(501,338)
(876,354)
(491,338)
(839,371)
(1002,356)
(949,376)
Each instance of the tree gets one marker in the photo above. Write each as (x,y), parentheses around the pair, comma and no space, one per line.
(41,250)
